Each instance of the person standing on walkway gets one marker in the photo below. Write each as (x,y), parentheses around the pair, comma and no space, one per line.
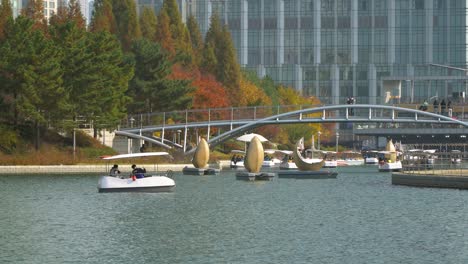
(449,107)
(436,106)
(442,107)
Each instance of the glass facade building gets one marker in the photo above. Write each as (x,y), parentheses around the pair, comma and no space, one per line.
(375,50)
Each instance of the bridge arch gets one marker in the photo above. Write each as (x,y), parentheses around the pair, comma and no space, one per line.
(328,114)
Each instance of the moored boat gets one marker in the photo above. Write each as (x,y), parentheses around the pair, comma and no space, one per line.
(137,182)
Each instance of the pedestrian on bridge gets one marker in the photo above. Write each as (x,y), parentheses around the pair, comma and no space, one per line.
(449,107)
(436,106)
(442,107)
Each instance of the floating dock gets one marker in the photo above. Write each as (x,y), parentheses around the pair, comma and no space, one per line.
(296,174)
(457,179)
(249,176)
(196,171)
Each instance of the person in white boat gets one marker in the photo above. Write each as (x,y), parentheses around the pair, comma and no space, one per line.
(114,171)
(138,172)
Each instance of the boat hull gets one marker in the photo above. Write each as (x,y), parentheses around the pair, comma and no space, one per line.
(330,164)
(372,161)
(393,166)
(147,184)
(238,164)
(288,166)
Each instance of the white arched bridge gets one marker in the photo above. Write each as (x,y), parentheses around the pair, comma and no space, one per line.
(155,127)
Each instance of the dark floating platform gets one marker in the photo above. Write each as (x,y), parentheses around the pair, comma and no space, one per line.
(296,174)
(434,179)
(249,176)
(196,171)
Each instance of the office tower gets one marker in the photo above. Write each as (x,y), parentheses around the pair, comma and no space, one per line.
(380,51)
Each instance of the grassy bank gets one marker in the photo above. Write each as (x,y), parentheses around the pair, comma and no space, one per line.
(57,149)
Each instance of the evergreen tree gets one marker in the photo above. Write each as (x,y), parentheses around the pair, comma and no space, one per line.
(32,75)
(127,22)
(226,69)
(163,34)
(150,87)
(148,23)
(59,18)
(210,49)
(75,14)
(103,18)
(5,13)
(175,21)
(106,82)
(179,33)
(196,39)
(209,61)
(35,11)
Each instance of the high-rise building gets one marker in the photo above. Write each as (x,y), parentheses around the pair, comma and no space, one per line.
(16,5)
(375,50)
(50,8)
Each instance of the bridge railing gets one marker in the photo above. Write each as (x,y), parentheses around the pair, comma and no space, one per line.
(236,114)
(208,115)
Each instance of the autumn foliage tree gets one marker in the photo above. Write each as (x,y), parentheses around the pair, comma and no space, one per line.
(5,13)
(252,95)
(35,11)
(289,96)
(103,18)
(148,24)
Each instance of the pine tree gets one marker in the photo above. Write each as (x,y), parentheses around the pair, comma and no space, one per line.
(6,13)
(148,23)
(226,69)
(103,18)
(75,14)
(196,39)
(175,21)
(150,87)
(107,83)
(59,18)
(163,34)
(35,11)
(126,19)
(31,74)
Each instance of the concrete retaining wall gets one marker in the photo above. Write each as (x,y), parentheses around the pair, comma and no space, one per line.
(79,169)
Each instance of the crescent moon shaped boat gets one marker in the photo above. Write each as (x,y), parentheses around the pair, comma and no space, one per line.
(303,164)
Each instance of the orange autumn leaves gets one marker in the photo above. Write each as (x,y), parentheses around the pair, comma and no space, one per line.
(209,93)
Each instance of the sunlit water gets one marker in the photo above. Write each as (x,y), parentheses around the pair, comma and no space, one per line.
(360,217)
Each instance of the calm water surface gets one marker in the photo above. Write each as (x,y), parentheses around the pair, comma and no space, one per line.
(357,218)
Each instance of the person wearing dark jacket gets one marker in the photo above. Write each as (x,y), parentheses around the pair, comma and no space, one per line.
(442,107)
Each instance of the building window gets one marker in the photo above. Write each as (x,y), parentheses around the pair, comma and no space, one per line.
(363,5)
(419,4)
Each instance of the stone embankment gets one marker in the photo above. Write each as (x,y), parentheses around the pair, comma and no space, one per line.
(90,168)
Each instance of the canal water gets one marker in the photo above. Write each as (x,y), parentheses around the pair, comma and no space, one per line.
(360,217)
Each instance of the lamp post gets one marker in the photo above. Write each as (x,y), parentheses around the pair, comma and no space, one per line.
(130,142)
(318,139)
(178,136)
(337,137)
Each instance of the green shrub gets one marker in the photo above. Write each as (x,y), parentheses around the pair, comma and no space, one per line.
(8,140)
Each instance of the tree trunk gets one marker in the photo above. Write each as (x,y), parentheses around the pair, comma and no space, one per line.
(37,136)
